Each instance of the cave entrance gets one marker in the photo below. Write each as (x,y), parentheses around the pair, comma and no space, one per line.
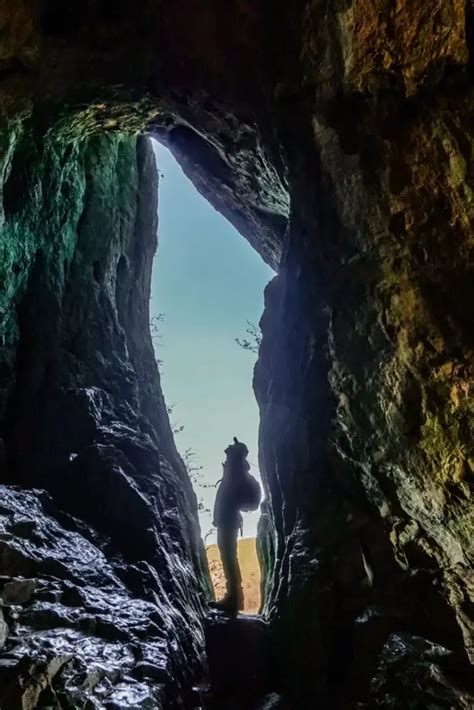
(207,297)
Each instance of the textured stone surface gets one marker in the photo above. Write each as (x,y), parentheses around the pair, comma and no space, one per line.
(414,671)
(82,631)
(338,138)
(367,45)
(85,419)
(366,439)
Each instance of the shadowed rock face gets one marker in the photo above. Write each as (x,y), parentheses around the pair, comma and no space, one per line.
(239,657)
(84,418)
(337,138)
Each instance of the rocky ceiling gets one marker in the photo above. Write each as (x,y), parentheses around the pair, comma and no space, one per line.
(337,136)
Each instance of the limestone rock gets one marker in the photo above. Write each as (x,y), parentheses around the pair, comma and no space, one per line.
(95,433)
(80,634)
(420,672)
(18,591)
(3,630)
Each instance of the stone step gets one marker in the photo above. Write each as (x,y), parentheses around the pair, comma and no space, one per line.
(239,661)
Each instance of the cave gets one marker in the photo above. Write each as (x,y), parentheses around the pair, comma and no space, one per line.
(337,139)
(206,297)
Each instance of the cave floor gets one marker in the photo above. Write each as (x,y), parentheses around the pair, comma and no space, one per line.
(239,674)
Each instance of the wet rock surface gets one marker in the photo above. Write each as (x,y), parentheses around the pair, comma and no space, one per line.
(414,672)
(75,634)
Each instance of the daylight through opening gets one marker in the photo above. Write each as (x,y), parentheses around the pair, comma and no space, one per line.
(206,302)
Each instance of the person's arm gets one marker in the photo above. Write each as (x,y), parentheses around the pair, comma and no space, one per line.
(217,514)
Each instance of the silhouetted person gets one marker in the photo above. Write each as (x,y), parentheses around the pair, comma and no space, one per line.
(237,491)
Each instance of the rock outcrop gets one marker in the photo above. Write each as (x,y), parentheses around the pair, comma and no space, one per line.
(81,629)
(366,362)
(239,658)
(84,419)
(338,138)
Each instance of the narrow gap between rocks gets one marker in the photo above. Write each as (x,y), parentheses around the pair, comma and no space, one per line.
(207,299)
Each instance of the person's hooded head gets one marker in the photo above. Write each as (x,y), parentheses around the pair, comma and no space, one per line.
(237,451)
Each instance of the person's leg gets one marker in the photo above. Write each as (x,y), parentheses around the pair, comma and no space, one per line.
(227,543)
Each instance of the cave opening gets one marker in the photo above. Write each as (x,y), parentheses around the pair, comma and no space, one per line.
(206,302)
(359,116)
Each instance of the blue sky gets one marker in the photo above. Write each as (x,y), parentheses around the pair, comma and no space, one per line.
(207,281)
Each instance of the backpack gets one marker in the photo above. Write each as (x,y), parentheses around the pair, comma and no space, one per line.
(249,494)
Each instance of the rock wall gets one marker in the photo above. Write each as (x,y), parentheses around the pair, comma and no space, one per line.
(338,138)
(114,565)
(366,362)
